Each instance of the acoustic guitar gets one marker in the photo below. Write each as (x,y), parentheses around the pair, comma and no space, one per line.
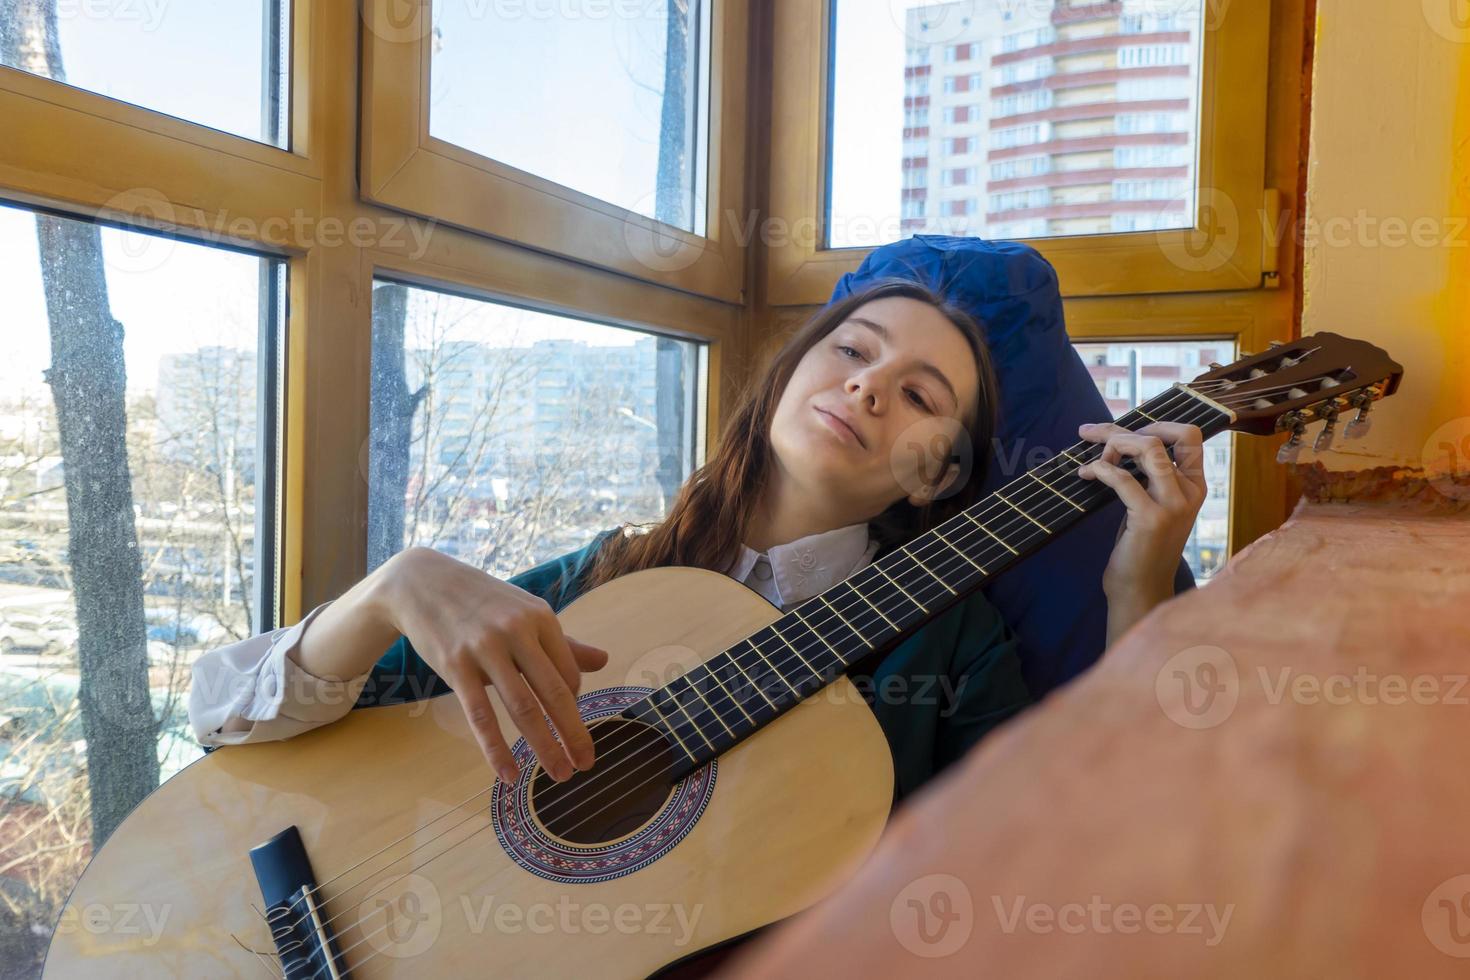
(740,775)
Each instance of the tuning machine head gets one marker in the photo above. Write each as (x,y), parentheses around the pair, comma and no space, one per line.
(1359,425)
(1291,448)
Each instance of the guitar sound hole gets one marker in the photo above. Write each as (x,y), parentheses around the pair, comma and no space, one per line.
(625,788)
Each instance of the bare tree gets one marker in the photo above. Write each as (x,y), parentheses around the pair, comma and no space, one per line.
(88,384)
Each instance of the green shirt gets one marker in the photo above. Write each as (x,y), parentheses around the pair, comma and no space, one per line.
(934,695)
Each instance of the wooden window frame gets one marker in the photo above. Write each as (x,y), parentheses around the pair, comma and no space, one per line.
(89,156)
(405,168)
(1225,250)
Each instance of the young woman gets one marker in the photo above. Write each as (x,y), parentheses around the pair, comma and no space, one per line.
(813,479)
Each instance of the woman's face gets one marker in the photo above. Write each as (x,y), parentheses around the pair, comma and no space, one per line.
(903,376)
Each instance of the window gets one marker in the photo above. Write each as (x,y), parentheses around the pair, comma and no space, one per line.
(1033,38)
(1014,105)
(915,177)
(1129,374)
(480,421)
(1153,122)
(914,118)
(1149,190)
(1020,167)
(1020,136)
(1125,157)
(1029,81)
(624,180)
(140,522)
(1148,89)
(1153,55)
(959,52)
(959,176)
(1026,71)
(1154,23)
(220,65)
(962,83)
(1037,197)
(603,79)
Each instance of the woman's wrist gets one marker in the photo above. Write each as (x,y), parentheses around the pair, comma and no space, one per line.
(1128,602)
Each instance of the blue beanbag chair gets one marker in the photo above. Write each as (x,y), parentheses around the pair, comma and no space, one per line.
(1053,599)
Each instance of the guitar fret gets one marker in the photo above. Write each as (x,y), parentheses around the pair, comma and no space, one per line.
(708,703)
(1018,510)
(793,649)
(819,636)
(933,554)
(1054,490)
(874,606)
(669,693)
(709,669)
(959,551)
(653,706)
(989,532)
(736,661)
(902,589)
(937,577)
(839,615)
(760,654)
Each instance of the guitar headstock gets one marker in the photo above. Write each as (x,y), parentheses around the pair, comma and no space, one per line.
(1309,380)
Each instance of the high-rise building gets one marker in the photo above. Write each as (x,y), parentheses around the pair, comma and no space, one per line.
(1031,122)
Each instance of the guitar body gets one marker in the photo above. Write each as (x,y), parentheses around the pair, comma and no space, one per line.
(415,881)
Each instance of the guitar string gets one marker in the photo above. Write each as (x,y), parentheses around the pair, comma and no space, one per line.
(606,772)
(447,849)
(1179,390)
(1085,447)
(1102,487)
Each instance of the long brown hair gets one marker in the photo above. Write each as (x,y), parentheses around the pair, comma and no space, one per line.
(708,520)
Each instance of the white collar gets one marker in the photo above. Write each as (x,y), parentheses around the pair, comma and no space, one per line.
(804,567)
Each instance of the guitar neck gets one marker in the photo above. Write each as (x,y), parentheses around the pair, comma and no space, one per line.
(742,689)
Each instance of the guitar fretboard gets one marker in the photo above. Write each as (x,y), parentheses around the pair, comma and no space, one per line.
(742,689)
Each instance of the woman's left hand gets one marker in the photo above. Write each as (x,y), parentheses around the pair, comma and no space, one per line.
(1157,525)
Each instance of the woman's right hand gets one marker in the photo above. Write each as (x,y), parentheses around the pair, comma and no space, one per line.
(474,629)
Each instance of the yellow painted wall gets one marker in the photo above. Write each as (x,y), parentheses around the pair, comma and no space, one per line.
(1387,239)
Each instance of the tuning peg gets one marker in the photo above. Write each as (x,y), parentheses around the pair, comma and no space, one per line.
(1292,447)
(1361,423)
(1274,343)
(1324,438)
(1215,365)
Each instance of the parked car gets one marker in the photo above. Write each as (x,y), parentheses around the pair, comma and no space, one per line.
(22,633)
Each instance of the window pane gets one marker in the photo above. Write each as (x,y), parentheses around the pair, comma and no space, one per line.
(1129,374)
(1080,119)
(222,65)
(505,436)
(137,460)
(605,98)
